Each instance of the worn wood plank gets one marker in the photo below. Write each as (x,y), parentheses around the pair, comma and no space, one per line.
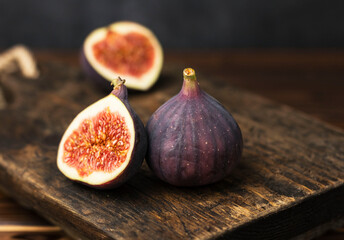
(289,181)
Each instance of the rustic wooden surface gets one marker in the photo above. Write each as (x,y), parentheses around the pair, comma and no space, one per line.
(270,178)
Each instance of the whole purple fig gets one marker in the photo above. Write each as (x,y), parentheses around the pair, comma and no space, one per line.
(192,139)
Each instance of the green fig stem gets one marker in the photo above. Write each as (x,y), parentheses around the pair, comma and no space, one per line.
(117,82)
(189,74)
(190,84)
(119,88)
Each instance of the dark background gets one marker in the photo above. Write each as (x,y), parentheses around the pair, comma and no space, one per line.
(178,23)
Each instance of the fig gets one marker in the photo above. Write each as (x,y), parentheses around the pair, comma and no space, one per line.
(125,49)
(105,144)
(192,139)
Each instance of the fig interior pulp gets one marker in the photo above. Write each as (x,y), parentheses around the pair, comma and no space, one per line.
(105,144)
(192,139)
(129,54)
(100,143)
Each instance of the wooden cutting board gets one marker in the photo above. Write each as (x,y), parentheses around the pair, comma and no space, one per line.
(289,183)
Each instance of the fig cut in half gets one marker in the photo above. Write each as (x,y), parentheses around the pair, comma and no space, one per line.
(124,49)
(192,139)
(105,144)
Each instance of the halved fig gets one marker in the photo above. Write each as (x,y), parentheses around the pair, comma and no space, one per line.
(105,144)
(124,49)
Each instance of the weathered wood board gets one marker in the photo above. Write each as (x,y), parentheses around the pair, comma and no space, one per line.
(289,182)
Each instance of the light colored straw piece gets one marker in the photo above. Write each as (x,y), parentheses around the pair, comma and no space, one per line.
(23,57)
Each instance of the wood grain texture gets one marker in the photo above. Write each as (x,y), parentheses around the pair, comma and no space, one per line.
(289,181)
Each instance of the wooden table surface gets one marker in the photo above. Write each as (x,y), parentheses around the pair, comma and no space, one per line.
(311,81)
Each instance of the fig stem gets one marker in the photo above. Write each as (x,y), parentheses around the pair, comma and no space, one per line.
(117,82)
(119,89)
(190,85)
(189,74)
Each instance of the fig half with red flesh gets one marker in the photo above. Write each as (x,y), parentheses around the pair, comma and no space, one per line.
(124,49)
(105,144)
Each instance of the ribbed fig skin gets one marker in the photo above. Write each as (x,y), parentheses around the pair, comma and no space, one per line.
(192,139)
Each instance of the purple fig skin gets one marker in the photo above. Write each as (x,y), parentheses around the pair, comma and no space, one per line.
(93,76)
(192,139)
(140,144)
